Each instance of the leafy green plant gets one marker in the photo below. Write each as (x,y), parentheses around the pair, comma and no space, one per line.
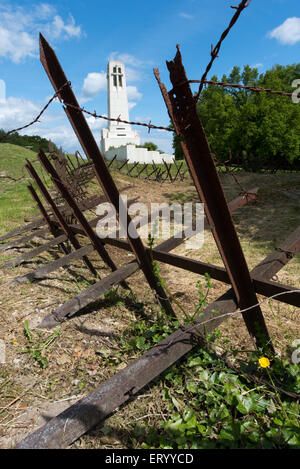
(160,281)
(213,406)
(36,348)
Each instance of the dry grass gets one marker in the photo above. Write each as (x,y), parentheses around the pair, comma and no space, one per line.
(88,350)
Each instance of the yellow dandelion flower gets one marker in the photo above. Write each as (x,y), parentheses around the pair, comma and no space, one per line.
(264,362)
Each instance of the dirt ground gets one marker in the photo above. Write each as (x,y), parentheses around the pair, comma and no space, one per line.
(88,349)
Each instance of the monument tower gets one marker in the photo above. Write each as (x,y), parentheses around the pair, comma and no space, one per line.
(117,134)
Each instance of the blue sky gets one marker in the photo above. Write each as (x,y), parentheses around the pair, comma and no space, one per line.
(85,34)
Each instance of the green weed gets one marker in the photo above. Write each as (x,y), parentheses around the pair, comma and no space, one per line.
(36,348)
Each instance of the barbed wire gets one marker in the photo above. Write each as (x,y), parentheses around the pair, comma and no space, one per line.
(215,50)
(255,89)
(144,124)
(118,119)
(38,116)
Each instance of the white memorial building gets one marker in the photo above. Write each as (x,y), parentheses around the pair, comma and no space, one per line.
(118,135)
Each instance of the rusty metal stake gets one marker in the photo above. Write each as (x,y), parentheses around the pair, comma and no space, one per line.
(78,213)
(91,149)
(68,232)
(183,113)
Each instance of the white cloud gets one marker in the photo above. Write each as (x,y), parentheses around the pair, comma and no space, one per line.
(131,105)
(128,59)
(15,112)
(93,84)
(44,11)
(67,30)
(62,135)
(186,16)
(96,123)
(133,75)
(258,65)
(133,93)
(16,46)
(288,32)
(19,29)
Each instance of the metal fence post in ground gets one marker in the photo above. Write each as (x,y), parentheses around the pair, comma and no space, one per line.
(182,109)
(65,228)
(91,149)
(77,213)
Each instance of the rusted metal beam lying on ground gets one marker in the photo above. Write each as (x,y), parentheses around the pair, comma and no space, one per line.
(259,275)
(23,229)
(27,256)
(87,204)
(62,430)
(18,242)
(43,271)
(60,219)
(72,306)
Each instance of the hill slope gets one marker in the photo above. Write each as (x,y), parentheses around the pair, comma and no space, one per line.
(15,200)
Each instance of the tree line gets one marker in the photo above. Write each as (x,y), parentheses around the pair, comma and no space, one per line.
(33,142)
(253,130)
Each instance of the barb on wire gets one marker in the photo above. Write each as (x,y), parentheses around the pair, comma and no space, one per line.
(215,50)
(255,89)
(118,119)
(233,313)
(6,176)
(39,115)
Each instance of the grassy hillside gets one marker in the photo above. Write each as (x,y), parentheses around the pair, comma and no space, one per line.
(15,200)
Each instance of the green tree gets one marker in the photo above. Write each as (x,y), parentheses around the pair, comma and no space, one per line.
(35,142)
(149,145)
(256,129)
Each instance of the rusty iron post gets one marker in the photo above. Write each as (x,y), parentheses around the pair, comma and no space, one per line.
(52,226)
(98,245)
(182,110)
(65,228)
(91,149)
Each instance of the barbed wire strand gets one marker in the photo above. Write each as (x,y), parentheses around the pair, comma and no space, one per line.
(255,89)
(192,326)
(144,124)
(215,50)
(38,116)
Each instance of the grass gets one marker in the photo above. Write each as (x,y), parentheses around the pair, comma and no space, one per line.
(186,406)
(15,200)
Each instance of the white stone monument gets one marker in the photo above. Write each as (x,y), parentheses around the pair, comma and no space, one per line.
(119,139)
(117,134)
